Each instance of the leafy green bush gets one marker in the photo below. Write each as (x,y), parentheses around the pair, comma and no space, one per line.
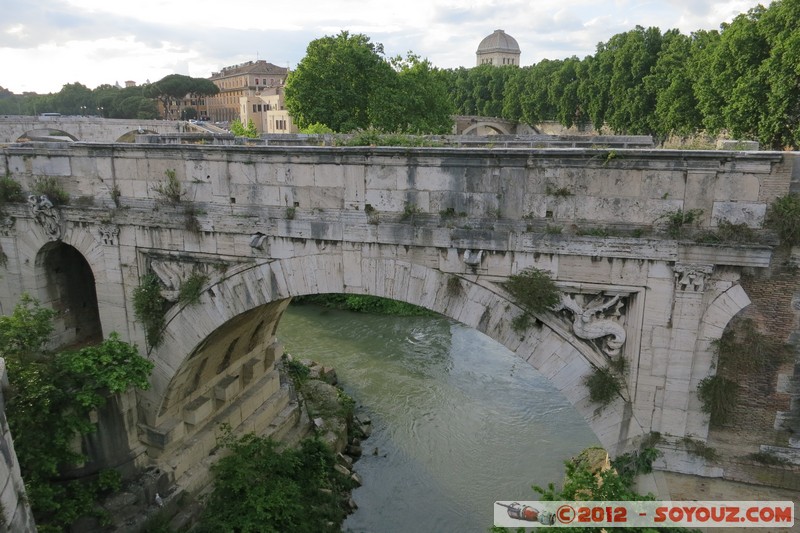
(316,129)
(677,221)
(258,487)
(51,396)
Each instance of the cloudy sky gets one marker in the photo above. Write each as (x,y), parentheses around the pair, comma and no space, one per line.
(45,44)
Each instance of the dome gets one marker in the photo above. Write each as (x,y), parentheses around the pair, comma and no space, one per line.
(499,41)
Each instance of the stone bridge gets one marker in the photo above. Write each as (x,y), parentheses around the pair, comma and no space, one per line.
(80,128)
(441,228)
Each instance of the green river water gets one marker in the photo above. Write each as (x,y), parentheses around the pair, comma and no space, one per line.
(459,421)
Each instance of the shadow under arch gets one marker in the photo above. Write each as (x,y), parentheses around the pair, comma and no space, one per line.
(264,290)
(492,126)
(130,137)
(68,287)
(47,134)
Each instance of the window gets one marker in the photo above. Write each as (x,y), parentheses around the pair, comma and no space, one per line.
(259,108)
(254,108)
(256,81)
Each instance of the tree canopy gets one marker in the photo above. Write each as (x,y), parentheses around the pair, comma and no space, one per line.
(177,86)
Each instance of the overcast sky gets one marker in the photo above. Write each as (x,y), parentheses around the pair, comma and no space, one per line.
(45,44)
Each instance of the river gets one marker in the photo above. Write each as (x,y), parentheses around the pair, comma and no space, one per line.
(459,421)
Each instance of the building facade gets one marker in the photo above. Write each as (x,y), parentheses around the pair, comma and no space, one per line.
(251,91)
(499,49)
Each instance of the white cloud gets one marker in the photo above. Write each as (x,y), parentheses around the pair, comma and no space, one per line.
(47,43)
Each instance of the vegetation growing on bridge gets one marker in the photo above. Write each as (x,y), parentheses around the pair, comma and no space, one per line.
(742,352)
(259,487)
(170,190)
(51,397)
(50,187)
(783,216)
(149,307)
(534,291)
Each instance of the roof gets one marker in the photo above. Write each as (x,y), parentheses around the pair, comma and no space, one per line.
(499,41)
(251,67)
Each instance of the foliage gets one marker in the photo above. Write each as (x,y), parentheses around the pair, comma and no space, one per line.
(175,87)
(259,488)
(718,396)
(783,216)
(290,212)
(149,307)
(676,221)
(170,190)
(533,290)
(699,448)
(454,287)
(239,130)
(604,385)
(316,128)
(191,289)
(10,190)
(768,458)
(745,351)
(335,82)
(297,371)
(410,211)
(374,137)
(50,187)
(51,396)
(728,233)
(363,303)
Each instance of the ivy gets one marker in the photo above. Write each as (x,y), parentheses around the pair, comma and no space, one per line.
(783,216)
(51,396)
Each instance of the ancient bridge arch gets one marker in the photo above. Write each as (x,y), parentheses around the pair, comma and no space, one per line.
(209,343)
(54,134)
(497,127)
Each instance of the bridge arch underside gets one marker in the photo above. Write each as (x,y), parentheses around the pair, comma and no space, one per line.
(47,134)
(214,350)
(479,127)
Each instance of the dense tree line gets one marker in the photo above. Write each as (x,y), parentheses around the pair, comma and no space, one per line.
(743,79)
(109,101)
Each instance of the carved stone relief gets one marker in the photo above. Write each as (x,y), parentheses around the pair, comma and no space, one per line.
(598,318)
(108,233)
(46,215)
(691,278)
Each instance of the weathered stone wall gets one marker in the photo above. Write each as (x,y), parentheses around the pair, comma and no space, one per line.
(15,514)
(89,129)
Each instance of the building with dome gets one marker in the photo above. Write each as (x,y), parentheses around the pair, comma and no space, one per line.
(499,48)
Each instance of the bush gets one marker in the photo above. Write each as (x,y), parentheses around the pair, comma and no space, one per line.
(10,191)
(533,290)
(49,186)
(718,396)
(190,290)
(170,190)
(604,385)
(783,216)
(149,307)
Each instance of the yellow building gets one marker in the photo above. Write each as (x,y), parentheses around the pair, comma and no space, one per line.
(252,90)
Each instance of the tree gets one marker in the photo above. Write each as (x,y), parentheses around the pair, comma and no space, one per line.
(49,405)
(334,82)
(413,101)
(238,129)
(176,87)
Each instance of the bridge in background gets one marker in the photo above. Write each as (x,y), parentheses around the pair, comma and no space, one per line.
(441,228)
(80,128)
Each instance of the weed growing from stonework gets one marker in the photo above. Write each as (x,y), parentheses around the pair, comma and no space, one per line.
(149,307)
(49,404)
(699,449)
(533,290)
(10,191)
(49,186)
(170,191)
(718,396)
(728,233)
(604,385)
(454,287)
(409,211)
(191,289)
(783,216)
(676,222)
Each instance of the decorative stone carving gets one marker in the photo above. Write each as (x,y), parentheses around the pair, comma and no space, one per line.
(46,215)
(472,258)
(691,278)
(108,233)
(598,319)
(258,241)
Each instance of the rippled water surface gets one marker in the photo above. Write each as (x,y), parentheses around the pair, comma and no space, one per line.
(459,421)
